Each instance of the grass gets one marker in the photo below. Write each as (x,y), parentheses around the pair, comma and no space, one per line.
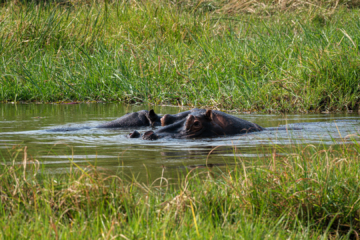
(308,193)
(257,55)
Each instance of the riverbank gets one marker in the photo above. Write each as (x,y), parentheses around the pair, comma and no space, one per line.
(305,193)
(258,56)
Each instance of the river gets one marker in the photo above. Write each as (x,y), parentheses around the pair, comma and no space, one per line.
(26,124)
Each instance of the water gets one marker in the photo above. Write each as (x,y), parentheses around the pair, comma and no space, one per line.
(25,125)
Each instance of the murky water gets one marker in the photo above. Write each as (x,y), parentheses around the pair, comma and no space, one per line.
(25,125)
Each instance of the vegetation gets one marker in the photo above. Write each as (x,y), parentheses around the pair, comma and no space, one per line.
(289,56)
(307,193)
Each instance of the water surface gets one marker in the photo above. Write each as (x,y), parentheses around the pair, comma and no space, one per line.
(26,125)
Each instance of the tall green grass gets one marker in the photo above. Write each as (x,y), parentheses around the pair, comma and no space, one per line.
(260,56)
(308,193)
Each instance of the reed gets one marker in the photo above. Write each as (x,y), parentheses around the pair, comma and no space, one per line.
(310,192)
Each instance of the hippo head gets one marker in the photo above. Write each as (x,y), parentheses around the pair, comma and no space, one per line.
(200,124)
(196,124)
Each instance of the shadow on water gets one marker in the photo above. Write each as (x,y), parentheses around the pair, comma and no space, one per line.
(25,124)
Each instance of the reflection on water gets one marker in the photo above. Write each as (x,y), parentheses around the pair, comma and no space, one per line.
(25,125)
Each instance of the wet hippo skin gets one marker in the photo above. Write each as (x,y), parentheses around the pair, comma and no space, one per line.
(202,123)
(134,119)
(168,119)
(141,118)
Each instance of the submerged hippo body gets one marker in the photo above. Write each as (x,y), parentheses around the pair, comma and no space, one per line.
(202,123)
(135,119)
(141,118)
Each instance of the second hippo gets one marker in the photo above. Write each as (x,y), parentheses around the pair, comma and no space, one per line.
(141,118)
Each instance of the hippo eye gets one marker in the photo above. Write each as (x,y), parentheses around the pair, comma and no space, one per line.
(196,124)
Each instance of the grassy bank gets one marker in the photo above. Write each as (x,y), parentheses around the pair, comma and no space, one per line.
(256,55)
(309,193)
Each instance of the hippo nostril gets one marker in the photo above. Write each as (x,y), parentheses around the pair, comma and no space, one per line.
(134,134)
(150,135)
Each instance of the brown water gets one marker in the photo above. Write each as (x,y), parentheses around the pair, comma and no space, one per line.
(25,125)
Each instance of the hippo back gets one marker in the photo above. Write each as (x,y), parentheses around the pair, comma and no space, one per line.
(134,119)
(233,125)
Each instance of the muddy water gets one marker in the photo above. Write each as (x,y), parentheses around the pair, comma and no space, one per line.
(26,125)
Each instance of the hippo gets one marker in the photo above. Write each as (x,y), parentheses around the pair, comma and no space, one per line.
(135,119)
(201,123)
(141,118)
(168,119)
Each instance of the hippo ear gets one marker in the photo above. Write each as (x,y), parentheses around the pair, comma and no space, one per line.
(164,119)
(152,116)
(208,114)
(152,113)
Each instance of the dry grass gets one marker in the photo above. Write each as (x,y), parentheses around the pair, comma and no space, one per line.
(267,7)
